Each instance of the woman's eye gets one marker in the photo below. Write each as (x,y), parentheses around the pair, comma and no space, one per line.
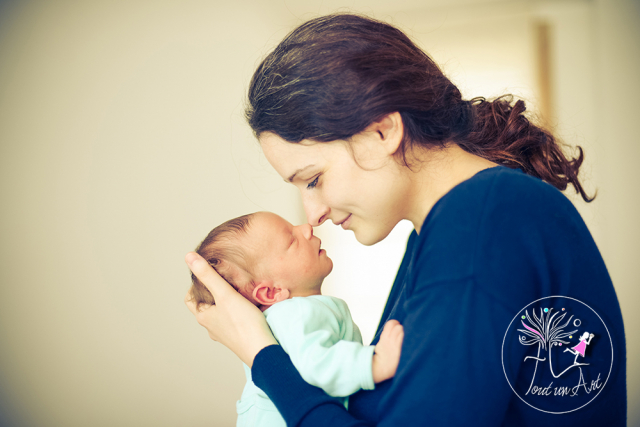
(313,183)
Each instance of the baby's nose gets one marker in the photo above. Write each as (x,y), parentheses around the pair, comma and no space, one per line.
(307,231)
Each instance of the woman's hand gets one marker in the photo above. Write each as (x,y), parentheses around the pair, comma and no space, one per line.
(233,321)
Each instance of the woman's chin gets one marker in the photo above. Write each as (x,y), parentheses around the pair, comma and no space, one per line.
(370,237)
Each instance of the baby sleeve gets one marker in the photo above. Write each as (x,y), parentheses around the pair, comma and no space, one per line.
(313,334)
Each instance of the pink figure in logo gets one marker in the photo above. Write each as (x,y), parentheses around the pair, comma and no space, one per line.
(579,349)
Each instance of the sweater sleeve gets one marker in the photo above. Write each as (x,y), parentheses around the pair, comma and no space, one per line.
(311,333)
(299,403)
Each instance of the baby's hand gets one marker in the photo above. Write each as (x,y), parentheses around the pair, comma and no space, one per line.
(387,352)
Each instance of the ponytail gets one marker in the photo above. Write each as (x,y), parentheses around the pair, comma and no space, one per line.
(501,133)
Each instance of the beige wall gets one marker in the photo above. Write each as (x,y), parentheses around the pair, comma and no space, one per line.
(122,143)
(616,41)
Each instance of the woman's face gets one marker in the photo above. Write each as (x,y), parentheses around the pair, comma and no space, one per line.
(368,197)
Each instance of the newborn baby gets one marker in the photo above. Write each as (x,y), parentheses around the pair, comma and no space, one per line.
(280,268)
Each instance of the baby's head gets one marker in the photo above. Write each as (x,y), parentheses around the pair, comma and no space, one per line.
(265,258)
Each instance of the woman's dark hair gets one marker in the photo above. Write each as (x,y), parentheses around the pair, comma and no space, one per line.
(333,76)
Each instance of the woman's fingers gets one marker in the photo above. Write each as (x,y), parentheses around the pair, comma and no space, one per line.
(191,304)
(208,276)
(233,321)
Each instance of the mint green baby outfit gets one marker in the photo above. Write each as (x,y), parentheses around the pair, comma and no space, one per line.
(326,348)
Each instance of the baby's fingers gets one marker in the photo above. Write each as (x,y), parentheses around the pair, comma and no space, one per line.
(393,330)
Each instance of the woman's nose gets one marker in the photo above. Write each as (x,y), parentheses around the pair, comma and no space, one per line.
(306,230)
(317,213)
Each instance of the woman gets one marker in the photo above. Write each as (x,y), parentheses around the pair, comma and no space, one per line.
(364,123)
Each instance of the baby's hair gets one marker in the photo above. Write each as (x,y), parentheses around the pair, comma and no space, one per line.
(223,252)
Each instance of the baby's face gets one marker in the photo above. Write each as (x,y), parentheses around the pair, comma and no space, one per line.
(288,255)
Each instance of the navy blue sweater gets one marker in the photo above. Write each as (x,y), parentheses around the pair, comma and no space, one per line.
(497,296)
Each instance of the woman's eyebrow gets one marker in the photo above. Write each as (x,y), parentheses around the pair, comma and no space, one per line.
(290,179)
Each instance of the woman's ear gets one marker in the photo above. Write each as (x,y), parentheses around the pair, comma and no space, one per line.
(389,130)
(266,293)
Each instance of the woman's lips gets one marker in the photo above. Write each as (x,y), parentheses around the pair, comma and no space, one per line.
(345,223)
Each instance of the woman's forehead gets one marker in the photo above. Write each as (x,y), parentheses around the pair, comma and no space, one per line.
(273,144)
(291,158)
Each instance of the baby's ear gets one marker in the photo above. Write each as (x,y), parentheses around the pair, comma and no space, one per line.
(266,293)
